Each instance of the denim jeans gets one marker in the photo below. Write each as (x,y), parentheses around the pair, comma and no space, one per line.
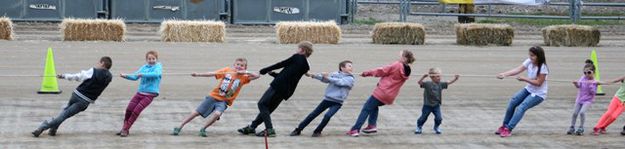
(520,102)
(74,106)
(425,113)
(370,110)
(333,108)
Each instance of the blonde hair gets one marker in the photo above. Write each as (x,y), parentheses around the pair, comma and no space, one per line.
(434,71)
(307,47)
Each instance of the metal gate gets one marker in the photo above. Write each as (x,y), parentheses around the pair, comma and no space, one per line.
(50,10)
(159,10)
(272,11)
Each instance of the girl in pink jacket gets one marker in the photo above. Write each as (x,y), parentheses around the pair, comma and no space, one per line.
(392,77)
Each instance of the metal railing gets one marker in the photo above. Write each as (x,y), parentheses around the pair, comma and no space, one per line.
(575,9)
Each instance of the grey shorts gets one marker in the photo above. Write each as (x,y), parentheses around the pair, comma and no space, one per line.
(209,105)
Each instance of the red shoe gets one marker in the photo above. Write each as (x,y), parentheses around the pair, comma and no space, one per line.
(505,132)
(595,131)
(353,133)
(602,131)
(499,130)
(370,129)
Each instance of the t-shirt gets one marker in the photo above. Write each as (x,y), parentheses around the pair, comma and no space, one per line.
(432,92)
(230,84)
(540,91)
(621,93)
(587,90)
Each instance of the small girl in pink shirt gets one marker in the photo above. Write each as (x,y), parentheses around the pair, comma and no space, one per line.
(392,77)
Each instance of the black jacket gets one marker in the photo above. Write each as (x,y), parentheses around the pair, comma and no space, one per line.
(286,81)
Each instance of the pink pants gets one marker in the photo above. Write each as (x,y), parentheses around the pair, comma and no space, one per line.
(137,104)
(614,110)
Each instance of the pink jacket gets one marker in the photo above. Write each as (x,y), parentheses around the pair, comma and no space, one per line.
(391,79)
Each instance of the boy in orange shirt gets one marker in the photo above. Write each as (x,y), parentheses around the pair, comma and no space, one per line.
(230,83)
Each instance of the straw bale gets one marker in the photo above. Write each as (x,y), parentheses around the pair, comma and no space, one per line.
(484,34)
(6,29)
(571,35)
(315,32)
(193,31)
(93,29)
(398,33)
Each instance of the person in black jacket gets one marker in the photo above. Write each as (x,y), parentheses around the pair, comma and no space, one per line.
(281,88)
(94,81)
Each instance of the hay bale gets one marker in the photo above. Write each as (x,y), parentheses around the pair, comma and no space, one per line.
(571,35)
(484,34)
(6,28)
(193,31)
(93,29)
(315,32)
(398,33)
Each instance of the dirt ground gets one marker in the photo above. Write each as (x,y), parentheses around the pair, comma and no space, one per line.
(473,107)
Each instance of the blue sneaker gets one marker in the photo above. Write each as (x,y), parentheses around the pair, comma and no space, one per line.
(418,131)
(437,130)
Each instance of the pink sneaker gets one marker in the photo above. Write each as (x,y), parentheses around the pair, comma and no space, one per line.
(370,129)
(602,131)
(499,130)
(595,131)
(353,133)
(505,132)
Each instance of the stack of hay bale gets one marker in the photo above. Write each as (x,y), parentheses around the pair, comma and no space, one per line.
(193,31)
(93,29)
(6,29)
(571,35)
(484,34)
(398,33)
(315,32)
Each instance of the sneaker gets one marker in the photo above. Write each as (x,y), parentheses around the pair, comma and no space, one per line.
(571,131)
(296,132)
(269,133)
(499,130)
(118,133)
(505,133)
(123,133)
(176,131)
(202,132)
(353,133)
(418,131)
(247,130)
(316,134)
(602,131)
(370,129)
(595,131)
(580,131)
(52,132)
(437,130)
(37,132)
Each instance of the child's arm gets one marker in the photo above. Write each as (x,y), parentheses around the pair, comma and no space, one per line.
(252,76)
(540,79)
(134,76)
(453,80)
(277,65)
(421,79)
(619,79)
(577,83)
(81,76)
(158,70)
(320,77)
(342,82)
(511,72)
(378,72)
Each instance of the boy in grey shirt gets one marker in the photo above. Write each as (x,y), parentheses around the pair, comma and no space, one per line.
(339,85)
(432,93)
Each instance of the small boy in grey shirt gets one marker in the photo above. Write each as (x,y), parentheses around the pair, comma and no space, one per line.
(432,93)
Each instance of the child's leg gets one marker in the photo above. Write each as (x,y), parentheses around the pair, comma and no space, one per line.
(576,111)
(144,102)
(582,114)
(618,109)
(514,102)
(527,103)
(189,118)
(438,116)
(364,113)
(425,113)
(131,106)
(220,107)
(603,122)
(334,107)
(320,108)
(75,106)
(265,107)
(373,116)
